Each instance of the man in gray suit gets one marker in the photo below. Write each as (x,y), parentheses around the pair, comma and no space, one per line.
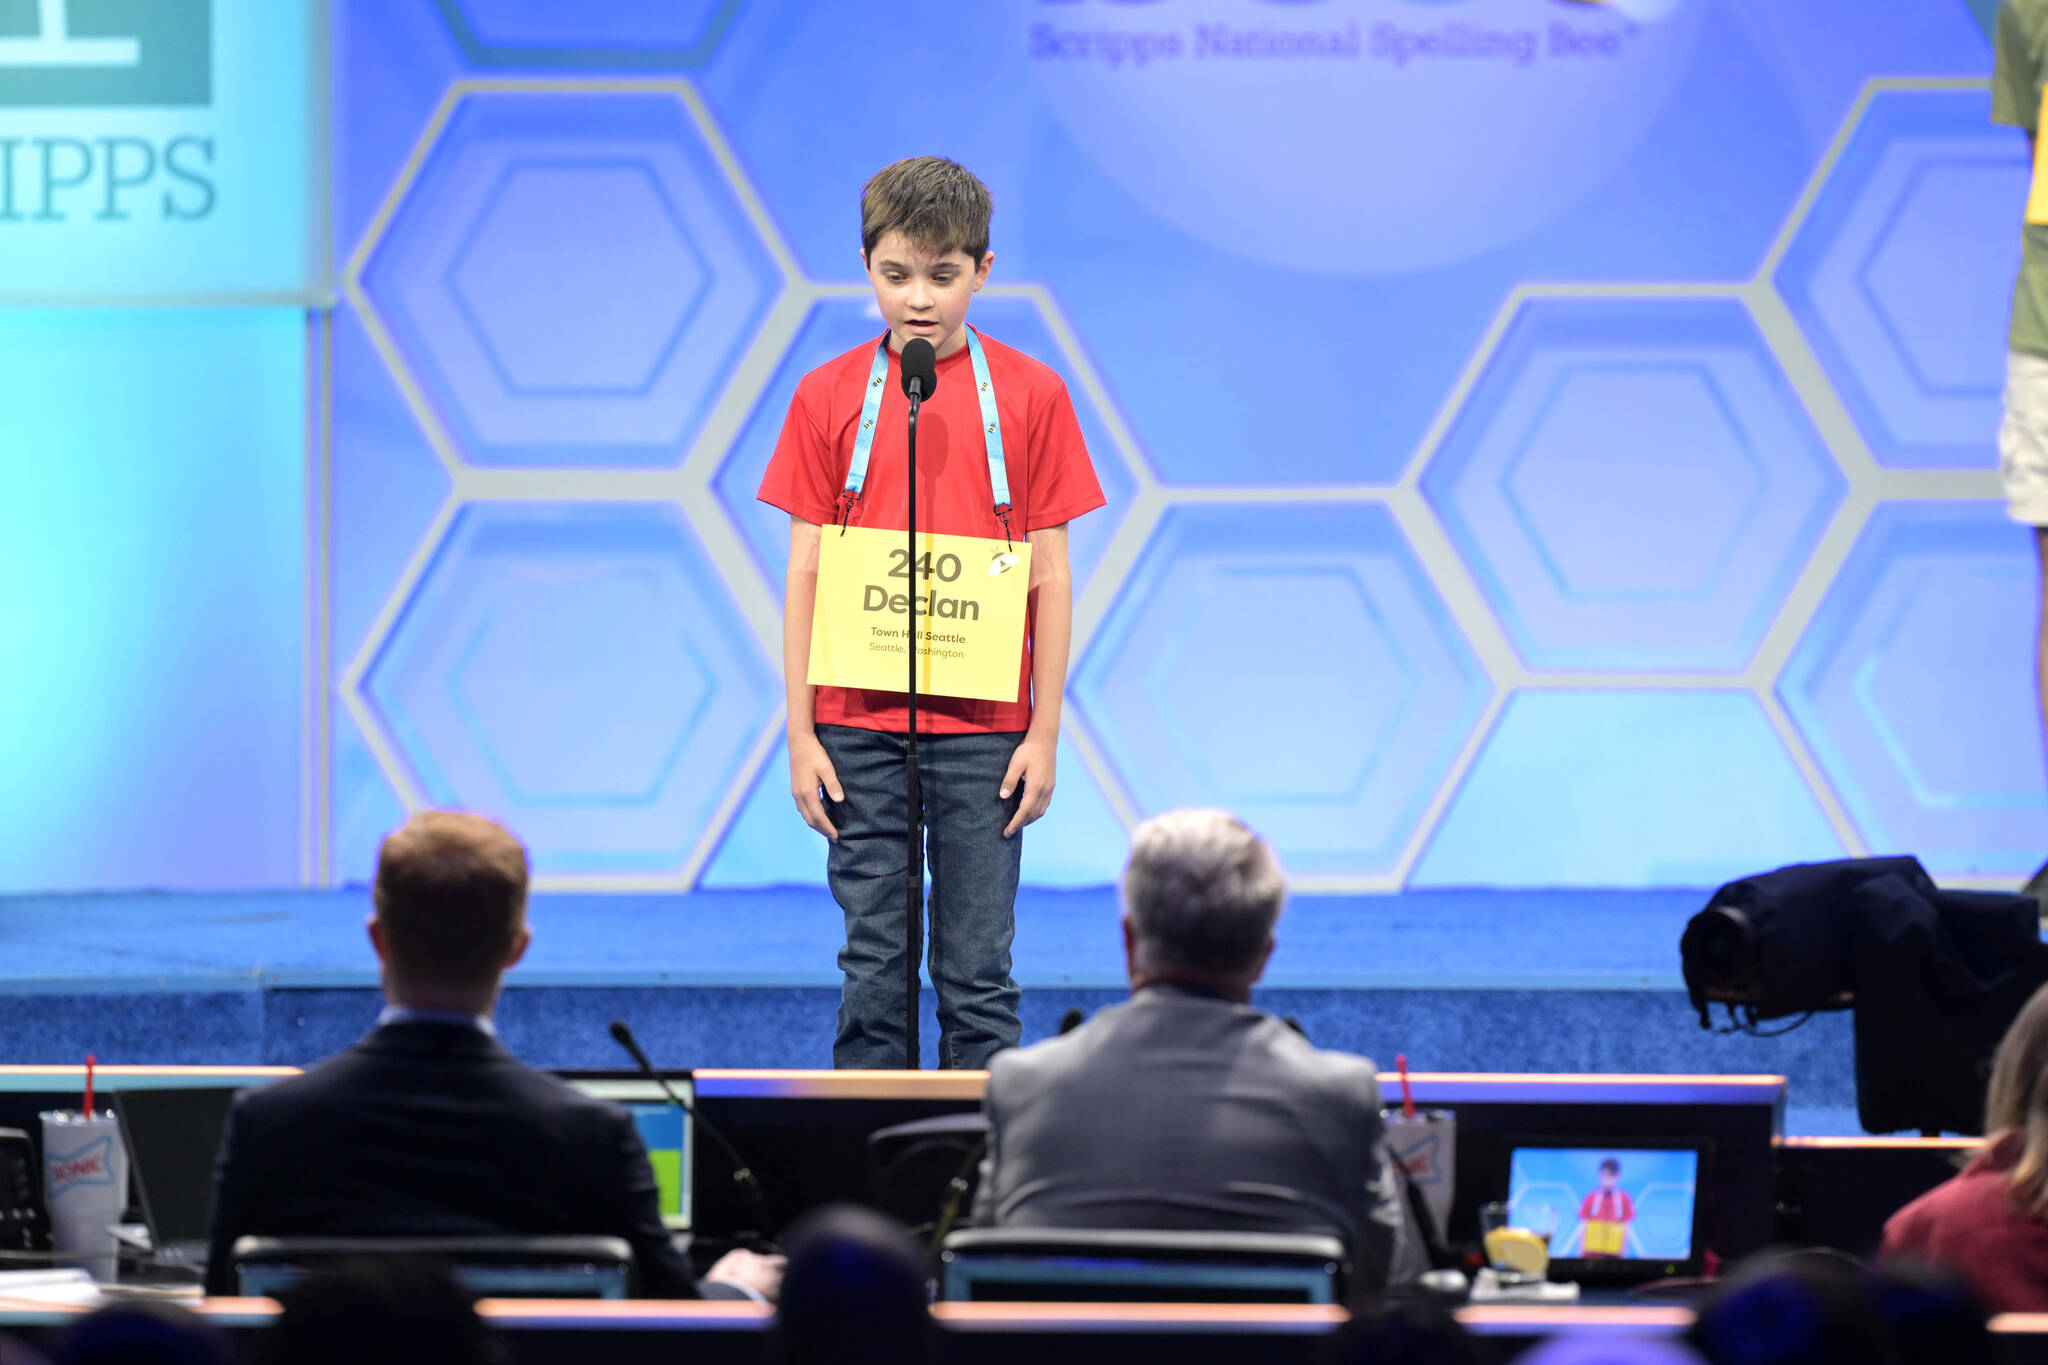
(1184,1107)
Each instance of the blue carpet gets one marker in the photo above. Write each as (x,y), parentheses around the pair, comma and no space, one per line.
(1597,940)
(1458,980)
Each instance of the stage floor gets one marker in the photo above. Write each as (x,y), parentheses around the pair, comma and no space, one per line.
(1459,980)
(1419,940)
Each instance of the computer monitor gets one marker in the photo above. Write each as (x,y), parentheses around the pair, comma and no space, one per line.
(664,1130)
(1626,1211)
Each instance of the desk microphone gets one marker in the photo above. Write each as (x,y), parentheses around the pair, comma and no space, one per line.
(920,369)
(742,1174)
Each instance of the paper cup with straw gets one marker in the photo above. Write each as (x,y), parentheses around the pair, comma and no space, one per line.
(1425,1143)
(85,1183)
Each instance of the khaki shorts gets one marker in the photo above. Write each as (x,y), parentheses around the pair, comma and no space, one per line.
(2023,439)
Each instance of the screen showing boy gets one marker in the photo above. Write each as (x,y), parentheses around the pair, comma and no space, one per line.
(1634,1205)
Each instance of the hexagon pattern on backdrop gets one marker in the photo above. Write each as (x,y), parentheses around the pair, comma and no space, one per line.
(1915,687)
(1077,843)
(832,327)
(1290,663)
(572,279)
(837,325)
(1634,483)
(577,670)
(1901,275)
(1629,787)
(1664,1214)
(603,34)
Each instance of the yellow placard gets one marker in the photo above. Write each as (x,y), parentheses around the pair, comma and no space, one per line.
(962,596)
(1604,1238)
(2037,197)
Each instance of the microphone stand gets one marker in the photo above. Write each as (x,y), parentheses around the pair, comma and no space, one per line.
(743,1177)
(913,891)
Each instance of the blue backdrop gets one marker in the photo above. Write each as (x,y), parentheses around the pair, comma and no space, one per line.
(1548,442)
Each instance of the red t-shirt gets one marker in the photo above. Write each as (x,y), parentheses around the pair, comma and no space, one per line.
(1051,481)
(1607,1206)
(1968,1225)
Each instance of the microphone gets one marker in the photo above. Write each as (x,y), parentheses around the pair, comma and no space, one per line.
(742,1174)
(1071,1020)
(919,366)
(920,369)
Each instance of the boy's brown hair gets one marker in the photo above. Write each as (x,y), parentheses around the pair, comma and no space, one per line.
(937,204)
(451,894)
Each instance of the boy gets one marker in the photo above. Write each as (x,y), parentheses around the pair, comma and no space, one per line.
(1606,1212)
(986,767)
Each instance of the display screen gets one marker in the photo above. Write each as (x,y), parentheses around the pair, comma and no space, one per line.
(664,1131)
(1607,1203)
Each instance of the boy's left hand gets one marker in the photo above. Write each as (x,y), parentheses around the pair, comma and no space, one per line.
(1032,765)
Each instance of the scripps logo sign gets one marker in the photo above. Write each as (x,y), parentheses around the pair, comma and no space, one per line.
(91,1164)
(1389,33)
(1302,4)
(110,52)
(1382,125)
(114,58)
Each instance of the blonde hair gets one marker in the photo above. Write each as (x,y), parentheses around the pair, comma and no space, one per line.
(2018,1102)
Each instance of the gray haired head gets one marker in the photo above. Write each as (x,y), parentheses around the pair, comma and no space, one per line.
(1202,893)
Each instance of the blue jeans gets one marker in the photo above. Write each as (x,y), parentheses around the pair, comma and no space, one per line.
(971,905)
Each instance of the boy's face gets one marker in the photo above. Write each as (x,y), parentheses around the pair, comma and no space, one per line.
(1608,1177)
(922,294)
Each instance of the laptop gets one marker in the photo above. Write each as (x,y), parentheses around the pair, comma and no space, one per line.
(173,1136)
(664,1130)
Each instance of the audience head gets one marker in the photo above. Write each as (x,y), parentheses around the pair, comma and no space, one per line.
(1801,1308)
(13,1352)
(1933,1315)
(141,1334)
(393,1310)
(1201,896)
(2017,1103)
(1608,1350)
(1406,1333)
(450,917)
(854,1291)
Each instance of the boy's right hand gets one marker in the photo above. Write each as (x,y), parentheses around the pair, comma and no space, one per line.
(810,771)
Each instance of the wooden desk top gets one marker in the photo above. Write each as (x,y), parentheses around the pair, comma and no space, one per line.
(1429,1087)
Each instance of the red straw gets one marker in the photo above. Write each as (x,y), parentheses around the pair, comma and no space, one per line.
(90,1062)
(1407,1095)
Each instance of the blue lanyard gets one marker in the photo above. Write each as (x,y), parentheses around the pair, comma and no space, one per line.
(991,429)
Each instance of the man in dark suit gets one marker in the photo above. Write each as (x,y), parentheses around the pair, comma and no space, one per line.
(427,1126)
(1184,1107)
